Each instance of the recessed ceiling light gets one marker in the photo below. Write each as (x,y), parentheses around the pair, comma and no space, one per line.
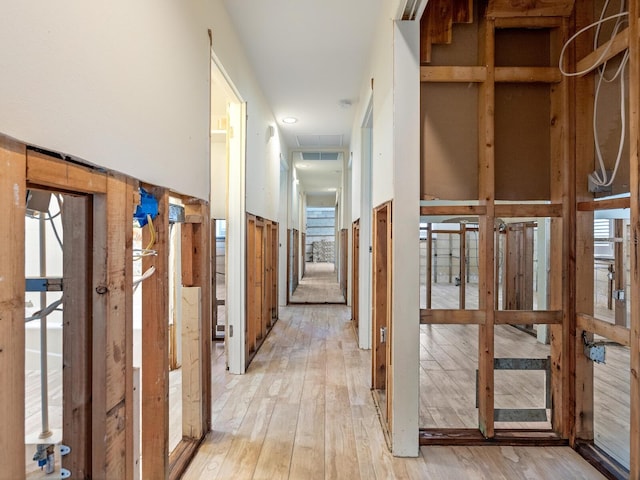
(289,120)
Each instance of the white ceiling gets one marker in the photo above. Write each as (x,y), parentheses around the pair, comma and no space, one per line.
(310,58)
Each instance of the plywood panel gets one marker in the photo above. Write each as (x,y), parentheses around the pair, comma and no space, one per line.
(449,146)
(522,143)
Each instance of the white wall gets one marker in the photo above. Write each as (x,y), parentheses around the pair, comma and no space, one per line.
(120,84)
(125,85)
(394,68)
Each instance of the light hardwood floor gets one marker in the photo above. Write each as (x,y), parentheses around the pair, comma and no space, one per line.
(304,411)
(319,285)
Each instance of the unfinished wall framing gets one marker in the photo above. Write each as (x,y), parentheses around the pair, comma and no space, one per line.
(498,58)
(98,416)
(499,62)
(382,322)
(262,282)
(355,274)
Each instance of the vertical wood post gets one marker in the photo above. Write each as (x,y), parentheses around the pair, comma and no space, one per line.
(487,237)
(634,293)
(77,330)
(581,427)
(203,249)
(155,346)
(112,366)
(12,205)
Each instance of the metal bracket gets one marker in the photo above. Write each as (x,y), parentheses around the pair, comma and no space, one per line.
(594,351)
(522,414)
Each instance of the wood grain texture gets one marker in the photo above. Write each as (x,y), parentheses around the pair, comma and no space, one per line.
(112,371)
(155,347)
(12,264)
(76,349)
(304,411)
(529,8)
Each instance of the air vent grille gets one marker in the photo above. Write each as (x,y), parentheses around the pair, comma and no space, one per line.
(320,155)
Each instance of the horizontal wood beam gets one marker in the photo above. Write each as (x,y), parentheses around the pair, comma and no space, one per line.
(527,75)
(616,333)
(462,74)
(604,52)
(478,74)
(528,22)
(452,317)
(526,317)
(611,204)
(46,171)
(529,210)
(530,8)
(454,210)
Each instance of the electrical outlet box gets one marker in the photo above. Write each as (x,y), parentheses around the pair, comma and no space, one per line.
(593,188)
(595,353)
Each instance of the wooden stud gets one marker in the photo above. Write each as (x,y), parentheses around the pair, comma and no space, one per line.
(76,340)
(527,75)
(192,360)
(634,291)
(12,340)
(604,52)
(47,171)
(463,265)
(463,74)
(452,317)
(583,88)
(112,365)
(529,317)
(155,355)
(457,210)
(616,333)
(620,308)
(562,252)
(530,8)
(608,204)
(428,273)
(487,237)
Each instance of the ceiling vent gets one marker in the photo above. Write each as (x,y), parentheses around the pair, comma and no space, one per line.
(318,141)
(321,155)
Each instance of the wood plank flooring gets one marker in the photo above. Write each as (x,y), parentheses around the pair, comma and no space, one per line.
(319,285)
(304,411)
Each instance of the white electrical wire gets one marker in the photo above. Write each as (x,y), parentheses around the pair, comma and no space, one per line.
(601,179)
(150,271)
(44,312)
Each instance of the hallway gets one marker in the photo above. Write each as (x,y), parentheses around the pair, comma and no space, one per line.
(304,411)
(318,285)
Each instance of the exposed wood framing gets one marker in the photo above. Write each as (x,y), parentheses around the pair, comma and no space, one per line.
(12,356)
(155,347)
(634,290)
(584,287)
(486,190)
(608,204)
(452,317)
(77,334)
(355,274)
(527,317)
(262,279)
(616,333)
(456,210)
(562,248)
(604,52)
(382,373)
(112,370)
(54,173)
(192,362)
(530,8)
